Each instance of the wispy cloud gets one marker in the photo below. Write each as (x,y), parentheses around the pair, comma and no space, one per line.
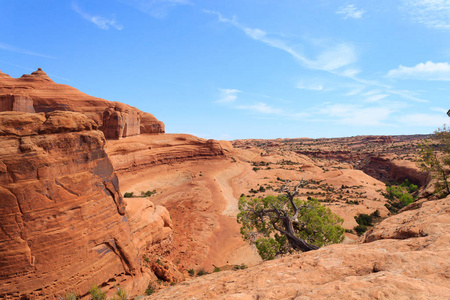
(11,48)
(156,8)
(228,95)
(312,84)
(331,59)
(358,115)
(422,71)
(101,22)
(432,120)
(432,13)
(337,59)
(350,11)
(261,107)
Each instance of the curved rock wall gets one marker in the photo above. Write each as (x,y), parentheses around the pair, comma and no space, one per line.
(63,224)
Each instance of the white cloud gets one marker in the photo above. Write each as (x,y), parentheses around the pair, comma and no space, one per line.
(332,58)
(432,13)
(431,120)
(350,114)
(422,71)
(355,91)
(376,97)
(156,8)
(261,107)
(101,22)
(228,95)
(311,86)
(350,11)
(11,48)
(439,109)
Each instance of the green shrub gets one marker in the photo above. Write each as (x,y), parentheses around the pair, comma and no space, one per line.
(399,196)
(191,272)
(96,293)
(364,219)
(120,294)
(148,193)
(376,214)
(360,229)
(71,296)
(216,269)
(150,290)
(128,195)
(201,272)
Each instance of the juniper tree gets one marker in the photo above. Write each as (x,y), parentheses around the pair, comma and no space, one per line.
(283,224)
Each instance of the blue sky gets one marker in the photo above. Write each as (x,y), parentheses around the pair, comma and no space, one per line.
(245,68)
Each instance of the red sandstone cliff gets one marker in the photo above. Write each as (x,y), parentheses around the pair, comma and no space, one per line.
(38,93)
(64,224)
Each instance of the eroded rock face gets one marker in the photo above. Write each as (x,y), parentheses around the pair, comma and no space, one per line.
(16,103)
(150,150)
(63,221)
(38,93)
(388,169)
(405,257)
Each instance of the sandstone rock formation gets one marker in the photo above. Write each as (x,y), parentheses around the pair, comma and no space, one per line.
(64,224)
(38,93)
(405,257)
(149,150)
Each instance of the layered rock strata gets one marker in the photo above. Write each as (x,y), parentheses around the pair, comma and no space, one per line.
(38,93)
(64,224)
(149,150)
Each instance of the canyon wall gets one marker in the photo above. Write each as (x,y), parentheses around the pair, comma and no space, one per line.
(64,224)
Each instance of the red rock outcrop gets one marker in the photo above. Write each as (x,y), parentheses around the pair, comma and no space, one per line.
(115,119)
(16,103)
(64,224)
(149,150)
(404,257)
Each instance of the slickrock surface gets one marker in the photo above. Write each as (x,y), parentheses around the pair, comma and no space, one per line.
(64,224)
(408,258)
(38,93)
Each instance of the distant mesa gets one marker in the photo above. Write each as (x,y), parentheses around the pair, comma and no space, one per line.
(37,92)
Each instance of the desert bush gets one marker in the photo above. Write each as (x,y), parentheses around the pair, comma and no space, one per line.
(128,195)
(120,294)
(71,296)
(364,219)
(360,229)
(95,293)
(435,159)
(201,272)
(398,196)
